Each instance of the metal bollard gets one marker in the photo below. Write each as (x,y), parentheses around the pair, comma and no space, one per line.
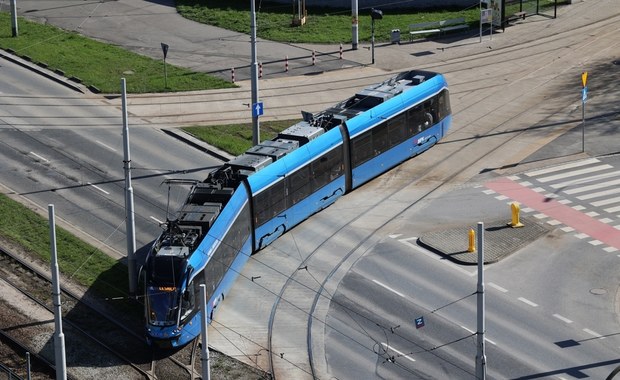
(515,223)
(472,241)
(232,74)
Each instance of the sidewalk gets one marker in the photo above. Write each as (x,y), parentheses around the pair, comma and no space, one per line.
(142,25)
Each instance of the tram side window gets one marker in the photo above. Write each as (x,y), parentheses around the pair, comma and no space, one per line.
(269,203)
(380,138)
(327,168)
(226,252)
(298,185)
(415,119)
(361,149)
(443,104)
(188,302)
(397,130)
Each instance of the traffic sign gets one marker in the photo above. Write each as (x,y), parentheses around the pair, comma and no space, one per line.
(584,78)
(257,109)
(164,48)
(419,322)
(584,94)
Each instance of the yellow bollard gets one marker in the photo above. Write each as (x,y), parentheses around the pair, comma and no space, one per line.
(514,206)
(472,241)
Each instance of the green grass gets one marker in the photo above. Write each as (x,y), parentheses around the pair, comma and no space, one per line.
(237,138)
(79,261)
(98,64)
(323,25)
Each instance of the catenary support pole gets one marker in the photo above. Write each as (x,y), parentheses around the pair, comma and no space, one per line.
(14,28)
(59,337)
(254,77)
(204,357)
(481,360)
(130,224)
(354,25)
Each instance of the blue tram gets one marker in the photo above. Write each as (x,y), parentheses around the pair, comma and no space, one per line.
(253,199)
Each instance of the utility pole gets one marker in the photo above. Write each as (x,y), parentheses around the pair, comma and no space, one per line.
(59,337)
(204,358)
(354,24)
(481,359)
(129,217)
(254,77)
(14,30)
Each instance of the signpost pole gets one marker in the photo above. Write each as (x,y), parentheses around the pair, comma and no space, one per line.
(584,98)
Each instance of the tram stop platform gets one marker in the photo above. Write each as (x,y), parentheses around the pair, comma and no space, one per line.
(500,240)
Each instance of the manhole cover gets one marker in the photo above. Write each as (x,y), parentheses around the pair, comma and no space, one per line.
(598,291)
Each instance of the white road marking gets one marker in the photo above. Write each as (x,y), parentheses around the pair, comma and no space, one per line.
(613,209)
(157,220)
(563,319)
(473,332)
(497,287)
(98,188)
(562,167)
(594,333)
(584,180)
(387,346)
(526,301)
(436,257)
(105,146)
(40,157)
(601,194)
(575,173)
(388,288)
(599,185)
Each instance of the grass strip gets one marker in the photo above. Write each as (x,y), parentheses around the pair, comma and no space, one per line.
(96,63)
(237,138)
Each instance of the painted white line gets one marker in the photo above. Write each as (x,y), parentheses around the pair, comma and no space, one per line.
(606,202)
(581,236)
(538,189)
(594,333)
(473,332)
(553,222)
(567,229)
(575,173)
(525,183)
(563,319)
(597,186)
(98,188)
(513,178)
(157,220)
(40,157)
(488,192)
(540,216)
(595,242)
(592,214)
(578,207)
(565,201)
(433,256)
(562,167)
(613,209)
(526,301)
(584,180)
(388,288)
(387,346)
(395,236)
(610,249)
(606,220)
(497,287)
(501,197)
(601,194)
(105,146)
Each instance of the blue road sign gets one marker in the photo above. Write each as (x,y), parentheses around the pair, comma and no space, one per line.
(584,94)
(257,109)
(419,322)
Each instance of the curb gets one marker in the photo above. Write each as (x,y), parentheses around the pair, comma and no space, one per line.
(32,66)
(198,144)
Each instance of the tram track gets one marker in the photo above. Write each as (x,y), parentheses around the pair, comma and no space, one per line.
(108,339)
(427,177)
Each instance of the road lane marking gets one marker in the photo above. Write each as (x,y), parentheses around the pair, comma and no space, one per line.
(157,220)
(526,301)
(575,173)
(105,146)
(562,167)
(584,180)
(387,346)
(497,287)
(40,157)
(388,288)
(473,332)
(98,188)
(433,256)
(596,186)
(594,333)
(563,319)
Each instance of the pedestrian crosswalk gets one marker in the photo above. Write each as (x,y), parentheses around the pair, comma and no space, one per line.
(590,186)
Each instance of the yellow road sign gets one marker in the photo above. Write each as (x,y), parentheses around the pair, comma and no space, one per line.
(584,78)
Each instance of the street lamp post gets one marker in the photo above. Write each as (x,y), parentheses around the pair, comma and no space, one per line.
(375,14)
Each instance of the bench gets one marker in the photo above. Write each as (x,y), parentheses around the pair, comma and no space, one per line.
(517,15)
(424,28)
(432,27)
